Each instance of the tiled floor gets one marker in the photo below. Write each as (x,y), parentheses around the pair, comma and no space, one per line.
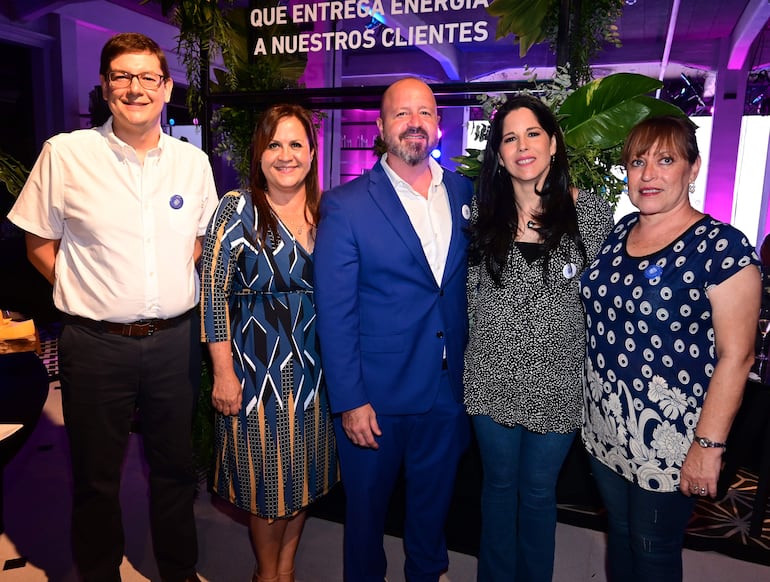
(35,546)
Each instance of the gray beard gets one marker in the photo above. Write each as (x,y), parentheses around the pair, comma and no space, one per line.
(412,154)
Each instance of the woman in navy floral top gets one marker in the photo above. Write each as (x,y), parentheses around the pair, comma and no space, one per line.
(672,302)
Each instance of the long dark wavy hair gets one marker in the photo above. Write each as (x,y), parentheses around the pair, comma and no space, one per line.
(492,234)
(263,134)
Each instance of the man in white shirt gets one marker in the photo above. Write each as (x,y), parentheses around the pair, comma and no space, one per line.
(114,219)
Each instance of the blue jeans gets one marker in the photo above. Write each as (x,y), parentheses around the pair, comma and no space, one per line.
(518,494)
(646,529)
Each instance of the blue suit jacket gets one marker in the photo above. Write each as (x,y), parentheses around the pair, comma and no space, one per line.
(383,321)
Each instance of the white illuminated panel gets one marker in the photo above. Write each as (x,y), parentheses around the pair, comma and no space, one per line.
(750,177)
(749,180)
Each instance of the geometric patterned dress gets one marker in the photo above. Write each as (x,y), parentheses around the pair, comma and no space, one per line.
(278,454)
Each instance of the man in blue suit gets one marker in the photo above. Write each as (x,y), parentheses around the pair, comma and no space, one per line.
(390,267)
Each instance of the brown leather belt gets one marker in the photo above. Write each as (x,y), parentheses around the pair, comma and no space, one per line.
(140,328)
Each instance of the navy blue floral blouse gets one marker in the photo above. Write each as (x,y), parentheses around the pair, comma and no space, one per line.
(651,350)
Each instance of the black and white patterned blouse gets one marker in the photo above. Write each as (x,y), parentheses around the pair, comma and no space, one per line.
(651,350)
(524,360)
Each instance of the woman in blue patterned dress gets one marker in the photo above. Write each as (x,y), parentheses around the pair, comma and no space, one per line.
(275,450)
(672,302)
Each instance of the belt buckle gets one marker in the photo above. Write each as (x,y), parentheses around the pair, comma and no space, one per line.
(148,325)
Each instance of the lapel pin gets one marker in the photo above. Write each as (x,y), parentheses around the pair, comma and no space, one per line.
(653,271)
(569,270)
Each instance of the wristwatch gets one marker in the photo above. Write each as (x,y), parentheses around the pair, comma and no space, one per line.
(708,443)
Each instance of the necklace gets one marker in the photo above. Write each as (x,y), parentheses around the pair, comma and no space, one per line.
(531,224)
(295,226)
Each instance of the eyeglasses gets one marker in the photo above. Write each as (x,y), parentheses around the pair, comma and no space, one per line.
(122,79)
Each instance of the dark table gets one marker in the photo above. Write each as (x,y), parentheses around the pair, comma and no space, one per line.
(749,446)
(23,392)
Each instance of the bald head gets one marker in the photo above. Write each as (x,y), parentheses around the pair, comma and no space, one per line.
(411,86)
(408,121)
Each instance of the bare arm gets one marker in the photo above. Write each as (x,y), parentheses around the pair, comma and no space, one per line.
(198,249)
(41,252)
(227,392)
(735,309)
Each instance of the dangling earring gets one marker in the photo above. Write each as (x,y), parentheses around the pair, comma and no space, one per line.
(553,159)
(691,188)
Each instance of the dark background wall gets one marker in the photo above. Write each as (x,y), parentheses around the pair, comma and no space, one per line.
(22,288)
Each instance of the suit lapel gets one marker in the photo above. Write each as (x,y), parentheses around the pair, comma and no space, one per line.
(384,196)
(456,252)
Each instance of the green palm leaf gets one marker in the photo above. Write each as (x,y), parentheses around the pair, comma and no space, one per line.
(522,18)
(12,173)
(602,112)
(469,165)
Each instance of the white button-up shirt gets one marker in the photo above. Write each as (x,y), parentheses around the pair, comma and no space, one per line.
(127,229)
(430,217)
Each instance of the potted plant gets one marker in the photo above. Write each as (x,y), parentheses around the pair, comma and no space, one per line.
(595,120)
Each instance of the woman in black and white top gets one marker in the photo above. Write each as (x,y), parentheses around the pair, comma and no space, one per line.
(532,236)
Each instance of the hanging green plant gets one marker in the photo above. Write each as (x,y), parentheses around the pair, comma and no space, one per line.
(525,19)
(208,29)
(233,126)
(205,33)
(590,27)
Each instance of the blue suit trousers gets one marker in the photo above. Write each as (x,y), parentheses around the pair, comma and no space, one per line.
(428,447)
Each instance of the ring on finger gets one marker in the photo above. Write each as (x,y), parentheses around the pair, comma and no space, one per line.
(702,490)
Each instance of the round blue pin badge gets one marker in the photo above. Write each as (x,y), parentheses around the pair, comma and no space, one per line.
(176,202)
(653,271)
(569,270)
